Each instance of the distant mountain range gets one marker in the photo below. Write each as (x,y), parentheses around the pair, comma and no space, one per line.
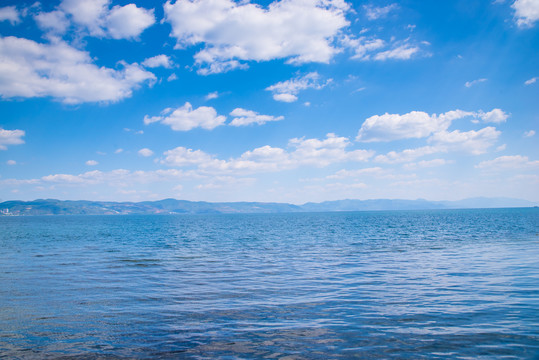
(172,206)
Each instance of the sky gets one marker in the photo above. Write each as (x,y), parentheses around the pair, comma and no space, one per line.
(285,101)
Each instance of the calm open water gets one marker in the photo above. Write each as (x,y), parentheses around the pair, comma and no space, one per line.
(368,285)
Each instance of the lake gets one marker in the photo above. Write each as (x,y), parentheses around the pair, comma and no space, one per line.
(433,284)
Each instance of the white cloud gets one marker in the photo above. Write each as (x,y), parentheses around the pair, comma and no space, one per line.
(341,186)
(212,95)
(118,177)
(363,46)
(300,31)
(289,98)
(372,48)
(157,61)
(10,13)
(526,12)
(374,12)
(407,155)
(474,142)
(268,159)
(96,18)
(530,81)
(128,22)
(31,69)
(54,21)
(11,162)
(469,84)
(418,124)
(91,163)
(145,152)
(286,91)
(244,117)
(88,14)
(172,77)
(185,118)
(10,137)
(118,151)
(494,116)
(372,171)
(415,124)
(508,162)
(402,52)
(426,164)
(324,152)
(182,156)
(529,133)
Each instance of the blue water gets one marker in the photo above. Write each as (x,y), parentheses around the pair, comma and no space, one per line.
(458,284)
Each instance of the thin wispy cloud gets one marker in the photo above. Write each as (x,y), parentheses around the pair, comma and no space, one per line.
(533,80)
(469,84)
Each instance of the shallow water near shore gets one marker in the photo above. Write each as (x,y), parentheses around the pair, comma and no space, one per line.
(368,285)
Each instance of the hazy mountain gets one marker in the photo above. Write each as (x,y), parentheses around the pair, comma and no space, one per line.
(166,206)
(482,202)
(375,204)
(172,206)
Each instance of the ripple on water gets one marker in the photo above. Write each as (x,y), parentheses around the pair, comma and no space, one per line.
(418,284)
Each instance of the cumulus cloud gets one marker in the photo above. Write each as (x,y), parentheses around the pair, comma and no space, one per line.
(128,22)
(494,116)
(508,162)
(145,152)
(88,14)
(315,152)
(11,162)
(324,152)
(415,124)
(9,13)
(157,61)
(288,98)
(10,137)
(300,31)
(186,118)
(418,124)
(31,69)
(182,156)
(374,12)
(474,142)
(529,133)
(55,21)
(288,90)
(244,117)
(469,84)
(526,12)
(172,77)
(91,163)
(96,18)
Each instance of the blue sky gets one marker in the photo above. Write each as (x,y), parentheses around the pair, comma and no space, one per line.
(286,101)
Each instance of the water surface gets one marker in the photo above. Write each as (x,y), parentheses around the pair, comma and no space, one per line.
(368,285)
